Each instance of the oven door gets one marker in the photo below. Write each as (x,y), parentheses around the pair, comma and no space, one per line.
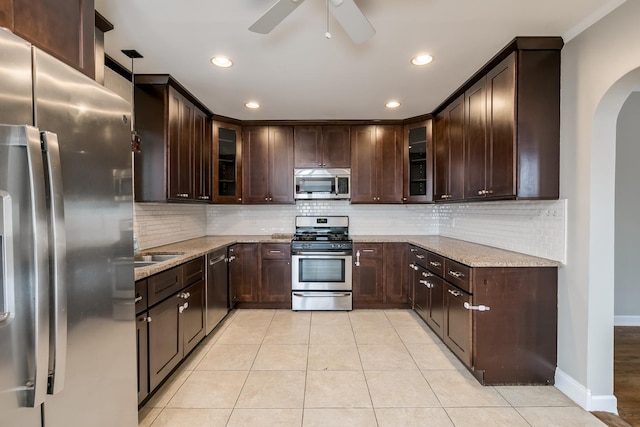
(321,271)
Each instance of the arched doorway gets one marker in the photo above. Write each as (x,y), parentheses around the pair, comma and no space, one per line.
(602,235)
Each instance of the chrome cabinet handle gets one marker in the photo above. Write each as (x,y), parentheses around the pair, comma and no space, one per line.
(435,263)
(413,250)
(231,258)
(413,266)
(427,274)
(184,295)
(454,292)
(420,256)
(146,319)
(271,251)
(476,307)
(138,298)
(203,197)
(427,284)
(369,251)
(183,307)
(357,259)
(455,274)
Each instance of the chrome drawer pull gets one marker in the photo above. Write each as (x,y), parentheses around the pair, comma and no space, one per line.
(427,274)
(455,274)
(435,264)
(271,251)
(476,307)
(420,256)
(413,266)
(427,284)
(138,298)
(454,293)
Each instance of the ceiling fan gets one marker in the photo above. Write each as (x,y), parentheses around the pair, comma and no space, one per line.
(346,13)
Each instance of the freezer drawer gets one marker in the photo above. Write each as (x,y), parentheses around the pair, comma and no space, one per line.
(321,300)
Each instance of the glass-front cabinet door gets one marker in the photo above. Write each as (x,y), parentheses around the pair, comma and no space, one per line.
(227,163)
(418,163)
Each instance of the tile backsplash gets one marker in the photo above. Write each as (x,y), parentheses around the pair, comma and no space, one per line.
(532,227)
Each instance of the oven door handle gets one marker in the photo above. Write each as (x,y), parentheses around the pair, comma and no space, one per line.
(321,295)
(321,254)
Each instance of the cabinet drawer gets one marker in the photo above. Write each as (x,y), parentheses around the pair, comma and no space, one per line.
(192,271)
(275,250)
(141,295)
(418,256)
(163,285)
(435,264)
(458,274)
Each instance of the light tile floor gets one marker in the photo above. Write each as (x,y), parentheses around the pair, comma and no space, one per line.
(361,368)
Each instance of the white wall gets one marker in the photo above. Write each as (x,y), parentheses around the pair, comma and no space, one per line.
(627,205)
(597,76)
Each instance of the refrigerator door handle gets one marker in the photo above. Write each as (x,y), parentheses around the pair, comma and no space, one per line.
(6,257)
(57,254)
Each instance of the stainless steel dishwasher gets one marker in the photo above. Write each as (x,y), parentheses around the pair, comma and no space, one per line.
(216,290)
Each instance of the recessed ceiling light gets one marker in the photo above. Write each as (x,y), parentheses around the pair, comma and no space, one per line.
(422,59)
(392,104)
(252,105)
(221,61)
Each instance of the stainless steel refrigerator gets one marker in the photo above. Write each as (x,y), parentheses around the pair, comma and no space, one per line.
(67,331)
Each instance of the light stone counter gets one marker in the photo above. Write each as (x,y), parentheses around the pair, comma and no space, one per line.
(471,254)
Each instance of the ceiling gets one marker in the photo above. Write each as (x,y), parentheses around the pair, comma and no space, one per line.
(295,73)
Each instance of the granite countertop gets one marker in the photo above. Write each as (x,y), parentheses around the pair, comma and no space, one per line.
(471,254)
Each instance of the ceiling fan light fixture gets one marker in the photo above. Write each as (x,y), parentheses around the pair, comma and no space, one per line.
(422,59)
(252,105)
(392,104)
(221,61)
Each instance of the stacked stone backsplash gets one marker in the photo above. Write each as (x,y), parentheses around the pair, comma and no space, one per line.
(532,227)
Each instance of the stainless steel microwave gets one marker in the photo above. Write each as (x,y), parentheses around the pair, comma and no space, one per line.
(326,183)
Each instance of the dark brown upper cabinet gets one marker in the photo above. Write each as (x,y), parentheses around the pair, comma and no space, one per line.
(448,176)
(64,29)
(418,166)
(510,128)
(227,163)
(325,146)
(175,160)
(377,164)
(267,158)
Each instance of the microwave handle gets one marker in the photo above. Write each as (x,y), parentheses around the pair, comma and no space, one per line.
(336,185)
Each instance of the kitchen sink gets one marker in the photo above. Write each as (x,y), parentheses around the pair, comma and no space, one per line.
(139,264)
(152,257)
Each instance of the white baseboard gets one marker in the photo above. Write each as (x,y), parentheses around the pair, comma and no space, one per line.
(626,320)
(582,396)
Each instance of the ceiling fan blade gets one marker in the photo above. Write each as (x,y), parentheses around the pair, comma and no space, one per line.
(352,20)
(274,16)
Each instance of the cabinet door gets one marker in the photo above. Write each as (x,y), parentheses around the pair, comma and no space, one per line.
(276,281)
(422,294)
(389,159)
(165,340)
(435,310)
(476,141)
(193,321)
(363,164)
(501,86)
(142,342)
(203,171)
(64,29)
(227,164)
(280,164)
(181,113)
(336,147)
(243,272)
(395,273)
(255,164)
(307,149)
(457,323)
(368,275)
(441,157)
(456,149)
(418,153)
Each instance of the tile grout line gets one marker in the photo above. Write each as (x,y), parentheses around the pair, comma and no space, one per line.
(363,373)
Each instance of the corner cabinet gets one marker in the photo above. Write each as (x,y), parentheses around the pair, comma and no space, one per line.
(465,306)
(267,158)
(227,163)
(376,164)
(174,163)
(418,166)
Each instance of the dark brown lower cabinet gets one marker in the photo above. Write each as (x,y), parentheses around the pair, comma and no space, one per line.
(243,273)
(457,323)
(193,316)
(501,322)
(275,280)
(142,342)
(165,339)
(380,277)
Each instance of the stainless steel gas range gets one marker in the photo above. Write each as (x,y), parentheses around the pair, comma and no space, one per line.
(321,267)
